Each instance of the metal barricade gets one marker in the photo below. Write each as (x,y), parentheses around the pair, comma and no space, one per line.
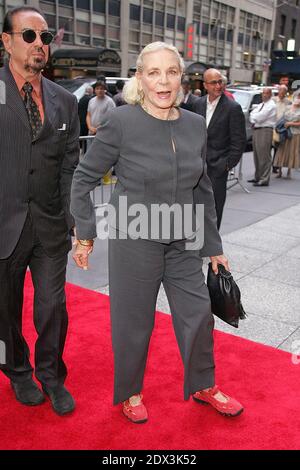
(108,181)
(235,177)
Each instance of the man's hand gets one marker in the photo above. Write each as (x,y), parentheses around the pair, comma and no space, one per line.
(93,130)
(220,259)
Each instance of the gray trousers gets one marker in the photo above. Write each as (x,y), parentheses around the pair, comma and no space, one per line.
(262,145)
(136,270)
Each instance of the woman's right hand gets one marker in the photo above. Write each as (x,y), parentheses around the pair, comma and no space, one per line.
(81,255)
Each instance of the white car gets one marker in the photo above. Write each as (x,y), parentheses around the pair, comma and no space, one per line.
(78,86)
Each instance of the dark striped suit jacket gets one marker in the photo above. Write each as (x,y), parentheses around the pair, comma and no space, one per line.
(37,174)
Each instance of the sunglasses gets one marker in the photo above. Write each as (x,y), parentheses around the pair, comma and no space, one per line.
(29,35)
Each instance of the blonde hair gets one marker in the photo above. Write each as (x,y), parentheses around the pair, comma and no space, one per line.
(132,93)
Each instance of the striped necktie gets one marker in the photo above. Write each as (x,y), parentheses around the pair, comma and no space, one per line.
(32,110)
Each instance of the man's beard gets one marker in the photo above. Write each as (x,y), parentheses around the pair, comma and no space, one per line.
(35,65)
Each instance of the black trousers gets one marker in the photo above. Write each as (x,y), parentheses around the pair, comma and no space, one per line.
(219,186)
(50,315)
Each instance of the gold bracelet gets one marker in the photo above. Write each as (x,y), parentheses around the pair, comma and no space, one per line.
(86,242)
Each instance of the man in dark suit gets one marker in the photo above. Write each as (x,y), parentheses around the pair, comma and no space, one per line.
(226,132)
(39,130)
(189,100)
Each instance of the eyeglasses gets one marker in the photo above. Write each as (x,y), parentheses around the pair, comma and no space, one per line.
(215,82)
(29,35)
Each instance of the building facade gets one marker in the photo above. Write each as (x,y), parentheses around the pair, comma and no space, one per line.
(234,35)
(287,26)
(286,45)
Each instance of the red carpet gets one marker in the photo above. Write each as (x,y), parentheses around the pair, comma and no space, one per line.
(262,378)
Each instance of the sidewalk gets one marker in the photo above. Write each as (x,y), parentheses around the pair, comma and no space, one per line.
(261,237)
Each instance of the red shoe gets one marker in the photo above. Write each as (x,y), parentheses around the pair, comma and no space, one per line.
(137,413)
(229,408)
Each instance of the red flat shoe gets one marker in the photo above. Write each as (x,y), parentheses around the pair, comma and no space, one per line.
(229,408)
(135,413)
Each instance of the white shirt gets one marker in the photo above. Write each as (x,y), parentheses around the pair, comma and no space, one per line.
(210,109)
(264,115)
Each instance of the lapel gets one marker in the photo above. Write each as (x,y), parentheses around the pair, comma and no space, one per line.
(203,106)
(14,99)
(218,111)
(50,108)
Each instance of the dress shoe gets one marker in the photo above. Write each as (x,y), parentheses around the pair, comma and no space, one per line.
(27,392)
(61,400)
(135,410)
(229,408)
(253,180)
(260,183)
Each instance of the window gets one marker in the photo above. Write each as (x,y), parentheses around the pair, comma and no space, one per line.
(204,30)
(83,4)
(98,30)
(69,3)
(282,25)
(229,35)
(99,6)
(159,18)
(83,27)
(114,8)
(170,21)
(51,21)
(181,23)
(147,15)
(221,34)
(294,26)
(135,12)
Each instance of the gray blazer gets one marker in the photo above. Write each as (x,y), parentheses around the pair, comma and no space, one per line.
(37,174)
(139,147)
(226,132)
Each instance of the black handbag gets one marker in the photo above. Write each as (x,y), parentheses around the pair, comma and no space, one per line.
(225,296)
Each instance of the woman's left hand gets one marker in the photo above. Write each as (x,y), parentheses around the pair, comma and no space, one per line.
(220,259)
(287,124)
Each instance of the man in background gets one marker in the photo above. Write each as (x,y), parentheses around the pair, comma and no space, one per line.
(226,135)
(82,112)
(118,97)
(263,119)
(98,108)
(189,100)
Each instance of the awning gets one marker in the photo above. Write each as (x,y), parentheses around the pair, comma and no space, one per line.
(87,57)
(196,67)
(286,66)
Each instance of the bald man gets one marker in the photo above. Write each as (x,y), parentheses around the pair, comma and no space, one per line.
(226,134)
(263,118)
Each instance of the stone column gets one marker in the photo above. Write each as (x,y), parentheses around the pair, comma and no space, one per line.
(124,39)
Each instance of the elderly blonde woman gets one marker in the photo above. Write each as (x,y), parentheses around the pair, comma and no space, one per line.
(288,153)
(158,152)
